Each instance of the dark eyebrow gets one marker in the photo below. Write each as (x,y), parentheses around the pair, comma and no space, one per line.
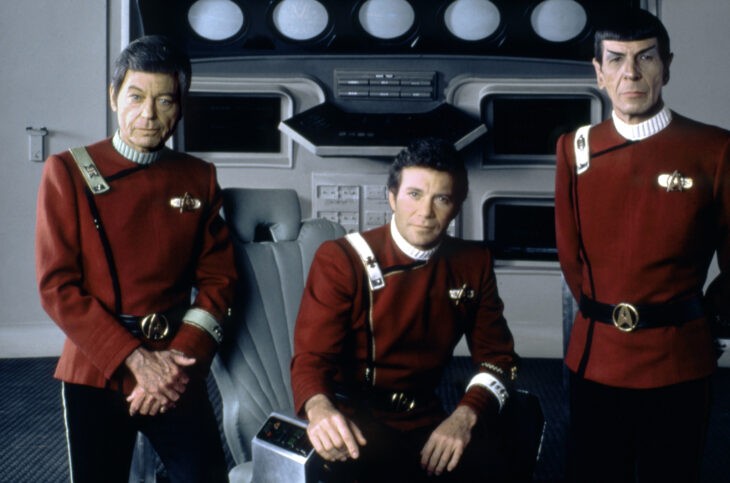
(642,51)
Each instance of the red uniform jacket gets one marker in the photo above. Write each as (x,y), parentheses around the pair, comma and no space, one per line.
(415,322)
(160,253)
(643,245)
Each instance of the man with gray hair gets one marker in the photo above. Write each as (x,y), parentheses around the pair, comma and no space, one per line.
(126,229)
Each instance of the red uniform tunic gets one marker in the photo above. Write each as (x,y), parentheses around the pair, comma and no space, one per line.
(643,245)
(414,321)
(160,253)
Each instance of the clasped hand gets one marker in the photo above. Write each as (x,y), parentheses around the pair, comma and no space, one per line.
(161,380)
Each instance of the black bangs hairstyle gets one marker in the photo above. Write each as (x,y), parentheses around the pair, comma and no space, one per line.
(154,54)
(431,153)
(632,24)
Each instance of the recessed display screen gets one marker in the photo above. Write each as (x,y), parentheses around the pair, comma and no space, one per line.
(520,229)
(220,123)
(472,19)
(526,128)
(558,20)
(300,19)
(285,435)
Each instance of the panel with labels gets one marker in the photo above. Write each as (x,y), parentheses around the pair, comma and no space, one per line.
(358,202)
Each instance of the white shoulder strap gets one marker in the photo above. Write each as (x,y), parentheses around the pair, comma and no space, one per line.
(582,149)
(96,182)
(375,276)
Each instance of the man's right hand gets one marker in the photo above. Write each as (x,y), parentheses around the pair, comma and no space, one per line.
(334,437)
(160,378)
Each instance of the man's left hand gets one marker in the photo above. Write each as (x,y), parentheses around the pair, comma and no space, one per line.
(446,444)
(161,380)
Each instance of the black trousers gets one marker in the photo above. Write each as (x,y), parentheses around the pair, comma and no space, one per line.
(101,436)
(391,455)
(621,435)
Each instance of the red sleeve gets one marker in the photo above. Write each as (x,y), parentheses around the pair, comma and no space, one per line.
(215,277)
(491,343)
(566,231)
(718,292)
(91,327)
(322,323)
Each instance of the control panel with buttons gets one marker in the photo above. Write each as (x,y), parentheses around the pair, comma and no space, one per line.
(385,85)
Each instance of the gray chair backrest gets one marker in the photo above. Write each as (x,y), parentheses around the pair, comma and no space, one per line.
(252,366)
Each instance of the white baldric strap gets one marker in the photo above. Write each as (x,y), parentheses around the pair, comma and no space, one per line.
(582,149)
(375,276)
(96,182)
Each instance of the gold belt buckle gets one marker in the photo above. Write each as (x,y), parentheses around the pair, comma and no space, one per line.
(625,317)
(154,326)
(401,402)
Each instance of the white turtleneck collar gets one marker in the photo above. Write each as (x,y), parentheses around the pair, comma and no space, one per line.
(642,130)
(132,154)
(407,248)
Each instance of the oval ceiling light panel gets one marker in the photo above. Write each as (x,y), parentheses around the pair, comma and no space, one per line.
(386,19)
(215,19)
(300,19)
(472,19)
(558,20)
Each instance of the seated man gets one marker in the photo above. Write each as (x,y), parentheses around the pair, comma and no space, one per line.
(379,320)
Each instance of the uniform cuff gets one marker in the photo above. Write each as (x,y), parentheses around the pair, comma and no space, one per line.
(205,321)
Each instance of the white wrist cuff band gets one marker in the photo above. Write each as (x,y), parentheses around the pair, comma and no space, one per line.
(491,384)
(203,320)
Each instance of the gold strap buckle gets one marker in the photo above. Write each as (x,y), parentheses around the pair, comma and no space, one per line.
(401,402)
(625,317)
(154,326)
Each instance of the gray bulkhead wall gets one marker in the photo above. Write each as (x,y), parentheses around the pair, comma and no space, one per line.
(46,85)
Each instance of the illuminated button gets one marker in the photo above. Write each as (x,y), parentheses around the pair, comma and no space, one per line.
(416,93)
(385,92)
(472,19)
(300,19)
(558,20)
(215,19)
(384,82)
(416,82)
(353,82)
(353,92)
(386,19)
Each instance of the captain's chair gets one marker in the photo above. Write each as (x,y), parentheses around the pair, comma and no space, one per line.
(274,249)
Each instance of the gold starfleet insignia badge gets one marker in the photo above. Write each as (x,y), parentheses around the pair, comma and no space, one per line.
(155,326)
(458,295)
(674,182)
(186,203)
(625,317)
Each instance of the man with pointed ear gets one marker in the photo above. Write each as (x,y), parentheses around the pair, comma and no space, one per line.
(127,230)
(642,204)
(379,319)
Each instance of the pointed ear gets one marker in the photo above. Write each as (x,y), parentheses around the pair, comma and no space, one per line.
(666,68)
(599,74)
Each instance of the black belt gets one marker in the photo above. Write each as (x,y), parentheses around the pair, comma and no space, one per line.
(157,326)
(627,317)
(382,400)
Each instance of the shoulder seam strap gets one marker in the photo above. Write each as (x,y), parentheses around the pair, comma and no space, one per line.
(582,149)
(94,180)
(372,268)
